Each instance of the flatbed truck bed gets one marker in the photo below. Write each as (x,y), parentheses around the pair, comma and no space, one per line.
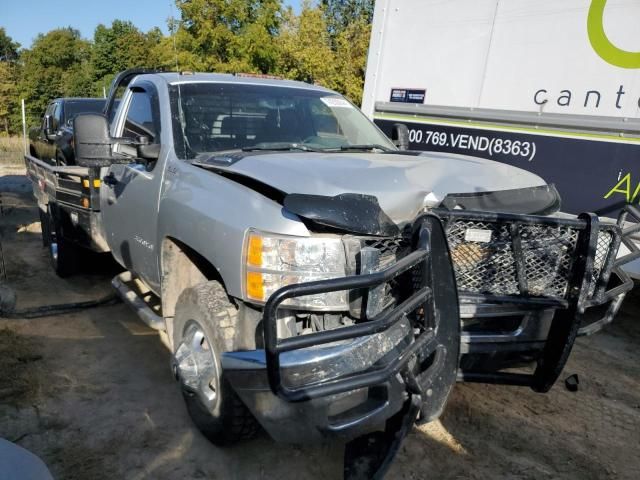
(69,202)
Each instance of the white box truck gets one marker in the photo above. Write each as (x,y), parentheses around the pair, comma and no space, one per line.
(552,87)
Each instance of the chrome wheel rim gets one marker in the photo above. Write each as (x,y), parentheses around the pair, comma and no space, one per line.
(196,365)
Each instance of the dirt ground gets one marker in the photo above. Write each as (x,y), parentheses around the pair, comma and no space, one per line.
(91,394)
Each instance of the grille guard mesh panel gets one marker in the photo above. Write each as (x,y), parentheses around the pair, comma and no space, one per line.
(526,258)
(490,267)
(483,267)
(520,259)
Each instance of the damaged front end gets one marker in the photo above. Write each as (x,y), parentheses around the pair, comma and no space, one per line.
(395,360)
(368,381)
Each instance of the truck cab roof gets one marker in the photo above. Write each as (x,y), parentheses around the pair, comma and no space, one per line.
(175,78)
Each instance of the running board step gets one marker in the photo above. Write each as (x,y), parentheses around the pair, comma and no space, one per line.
(125,285)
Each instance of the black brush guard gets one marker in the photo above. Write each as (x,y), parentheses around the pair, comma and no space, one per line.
(429,365)
(437,330)
(584,290)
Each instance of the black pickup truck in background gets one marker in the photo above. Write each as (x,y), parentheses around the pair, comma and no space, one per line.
(52,141)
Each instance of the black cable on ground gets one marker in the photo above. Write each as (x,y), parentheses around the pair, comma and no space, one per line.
(49,310)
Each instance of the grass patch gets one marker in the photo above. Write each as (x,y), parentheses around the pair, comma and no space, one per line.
(11,151)
(20,371)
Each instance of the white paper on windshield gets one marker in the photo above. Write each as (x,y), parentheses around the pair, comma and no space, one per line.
(336,102)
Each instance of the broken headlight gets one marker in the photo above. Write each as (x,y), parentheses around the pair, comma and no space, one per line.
(273,261)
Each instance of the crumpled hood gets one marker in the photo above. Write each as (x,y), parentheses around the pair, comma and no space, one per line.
(400,182)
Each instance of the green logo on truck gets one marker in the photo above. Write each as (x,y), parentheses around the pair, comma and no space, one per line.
(601,43)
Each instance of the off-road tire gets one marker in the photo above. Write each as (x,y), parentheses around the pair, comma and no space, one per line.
(63,254)
(208,304)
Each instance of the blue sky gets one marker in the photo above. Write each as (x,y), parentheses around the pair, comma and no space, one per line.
(24,19)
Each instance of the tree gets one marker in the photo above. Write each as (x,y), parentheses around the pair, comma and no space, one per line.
(8,75)
(119,47)
(352,47)
(8,48)
(326,43)
(228,35)
(312,50)
(8,96)
(342,13)
(56,65)
(305,48)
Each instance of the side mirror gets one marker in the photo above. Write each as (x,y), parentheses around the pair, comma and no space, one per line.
(91,140)
(400,136)
(48,124)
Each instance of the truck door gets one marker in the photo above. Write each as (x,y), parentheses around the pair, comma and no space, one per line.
(130,192)
(55,133)
(43,150)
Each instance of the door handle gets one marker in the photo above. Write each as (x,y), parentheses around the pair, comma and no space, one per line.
(110,180)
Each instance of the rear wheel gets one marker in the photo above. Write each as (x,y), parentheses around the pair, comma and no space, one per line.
(63,254)
(44,226)
(204,327)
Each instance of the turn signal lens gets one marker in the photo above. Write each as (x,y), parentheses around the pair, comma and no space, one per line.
(255,286)
(96,183)
(254,254)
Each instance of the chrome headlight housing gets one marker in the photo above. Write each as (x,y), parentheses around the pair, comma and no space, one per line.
(272,261)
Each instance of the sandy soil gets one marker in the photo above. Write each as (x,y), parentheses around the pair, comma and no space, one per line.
(91,394)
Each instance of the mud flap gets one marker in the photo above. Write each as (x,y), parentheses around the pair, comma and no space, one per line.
(430,376)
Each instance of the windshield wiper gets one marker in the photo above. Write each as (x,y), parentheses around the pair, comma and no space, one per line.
(368,146)
(279,148)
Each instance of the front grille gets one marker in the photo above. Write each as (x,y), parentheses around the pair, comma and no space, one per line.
(489,265)
(390,249)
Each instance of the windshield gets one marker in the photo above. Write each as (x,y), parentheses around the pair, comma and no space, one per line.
(214,117)
(74,107)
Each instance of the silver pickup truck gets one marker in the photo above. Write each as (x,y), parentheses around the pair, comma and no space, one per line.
(312,276)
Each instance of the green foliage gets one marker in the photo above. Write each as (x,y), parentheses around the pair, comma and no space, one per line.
(8,48)
(119,47)
(305,48)
(352,46)
(8,78)
(8,96)
(311,50)
(228,35)
(57,65)
(341,13)
(325,44)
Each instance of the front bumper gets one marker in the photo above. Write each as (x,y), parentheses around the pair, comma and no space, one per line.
(344,415)
(352,380)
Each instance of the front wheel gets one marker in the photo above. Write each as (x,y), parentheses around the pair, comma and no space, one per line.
(204,324)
